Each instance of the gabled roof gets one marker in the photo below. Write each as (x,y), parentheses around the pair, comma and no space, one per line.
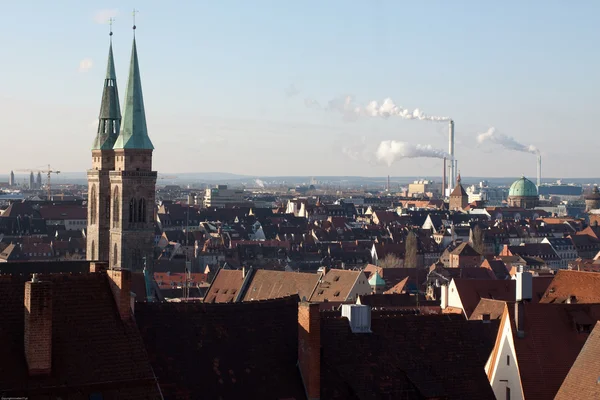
(581,287)
(582,380)
(465,250)
(93,350)
(554,336)
(459,191)
(134,133)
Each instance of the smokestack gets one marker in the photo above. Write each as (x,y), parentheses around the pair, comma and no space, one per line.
(388,184)
(444,179)
(455,170)
(452,176)
(539,171)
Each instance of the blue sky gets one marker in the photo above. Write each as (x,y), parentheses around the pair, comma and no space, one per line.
(219,76)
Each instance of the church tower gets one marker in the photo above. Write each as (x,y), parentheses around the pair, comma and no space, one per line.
(132,182)
(103,161)
(459,199)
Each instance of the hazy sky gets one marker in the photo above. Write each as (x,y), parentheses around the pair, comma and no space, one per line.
(226,82)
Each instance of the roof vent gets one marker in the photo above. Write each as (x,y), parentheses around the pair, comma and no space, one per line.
(359,317)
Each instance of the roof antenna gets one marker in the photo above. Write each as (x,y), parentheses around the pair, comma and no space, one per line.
(133,14)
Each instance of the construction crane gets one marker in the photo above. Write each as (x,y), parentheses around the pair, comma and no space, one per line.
(48,173)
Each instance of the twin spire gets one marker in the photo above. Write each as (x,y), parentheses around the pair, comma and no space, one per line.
(128,131)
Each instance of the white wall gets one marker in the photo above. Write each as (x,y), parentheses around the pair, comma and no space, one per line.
(450,297)
(504,375)
(361,286)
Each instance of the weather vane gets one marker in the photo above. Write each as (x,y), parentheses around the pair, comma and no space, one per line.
(110,24)
(133,13)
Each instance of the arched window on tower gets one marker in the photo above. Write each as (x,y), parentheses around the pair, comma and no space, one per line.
(142,210)
(116,208)
(115,256)
(107,208)
(132,211)
(93,255)
(93,205)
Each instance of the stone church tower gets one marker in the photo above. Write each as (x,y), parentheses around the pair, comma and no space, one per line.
(459,199)
(103,161)
(132,182)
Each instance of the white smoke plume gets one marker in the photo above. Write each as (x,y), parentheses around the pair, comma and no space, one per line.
(390,151)
(387,109)
(259,183)
(505,141)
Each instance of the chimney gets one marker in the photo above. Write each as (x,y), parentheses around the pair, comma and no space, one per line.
(38,326)
(98,266)
(309,348)
(444,179)
(120,285)
(539,171)
(524,284)
(451,152)
(359,317)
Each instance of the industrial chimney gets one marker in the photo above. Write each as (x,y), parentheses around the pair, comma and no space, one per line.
(539,171)
(444,179)
(452,176)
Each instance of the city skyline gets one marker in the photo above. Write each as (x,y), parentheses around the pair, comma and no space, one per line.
(238,103)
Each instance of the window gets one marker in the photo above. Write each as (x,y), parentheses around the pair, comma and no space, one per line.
(507,360)
(132,211)
(93,205)
(116,208)
(115,256)
(507,393)
(93,255)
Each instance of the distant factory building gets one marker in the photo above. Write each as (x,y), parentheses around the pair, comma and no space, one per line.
(523,193)
(222,197)
(561,190)
(423,187)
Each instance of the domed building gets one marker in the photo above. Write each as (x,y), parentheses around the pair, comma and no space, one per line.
(523,193)
(592,200)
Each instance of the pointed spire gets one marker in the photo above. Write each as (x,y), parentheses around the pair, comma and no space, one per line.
(109,120)
(134,133)
(458,178)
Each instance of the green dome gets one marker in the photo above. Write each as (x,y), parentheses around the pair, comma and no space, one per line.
(523,188)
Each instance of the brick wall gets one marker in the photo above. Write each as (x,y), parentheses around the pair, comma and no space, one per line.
(309,348)
(120,284)
(38,327)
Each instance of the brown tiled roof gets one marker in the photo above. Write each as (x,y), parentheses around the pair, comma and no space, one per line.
(458,191)
(245,350)
(336,285)
(465,249)
(92,349)
(582,380)
(411,357)
(225,287)
(62,212)
(493,308)
(267,284)
(392,301)
(585,286)
(399,287)
(471,291)
(550,345)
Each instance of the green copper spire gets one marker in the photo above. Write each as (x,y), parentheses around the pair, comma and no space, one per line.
(134,133)
(109,121)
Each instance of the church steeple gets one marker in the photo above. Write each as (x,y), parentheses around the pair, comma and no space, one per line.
(134,133)
(109,120)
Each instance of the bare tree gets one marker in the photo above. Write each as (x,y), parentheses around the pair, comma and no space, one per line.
(477,239)
(411,249)
(390,261)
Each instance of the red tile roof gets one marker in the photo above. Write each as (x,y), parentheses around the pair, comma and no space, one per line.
(225,287)
(230,351)
(336,285)
(582,380)
(585,286)
(266,284)
(93,350)
(551,344)
(62,212)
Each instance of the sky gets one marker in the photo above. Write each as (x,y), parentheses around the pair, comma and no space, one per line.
(230,86)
